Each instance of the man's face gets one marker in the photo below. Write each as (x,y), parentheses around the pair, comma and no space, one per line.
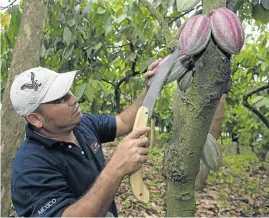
(62,114)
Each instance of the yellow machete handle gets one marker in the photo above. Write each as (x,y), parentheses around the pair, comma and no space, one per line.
(139,189)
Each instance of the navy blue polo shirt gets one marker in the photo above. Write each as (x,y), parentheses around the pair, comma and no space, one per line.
(49,175)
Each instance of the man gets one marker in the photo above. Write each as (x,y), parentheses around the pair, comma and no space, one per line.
(59,169)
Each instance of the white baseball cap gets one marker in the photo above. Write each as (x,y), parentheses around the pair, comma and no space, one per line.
(36,86)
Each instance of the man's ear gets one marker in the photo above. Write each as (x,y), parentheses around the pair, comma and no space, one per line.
(35,119)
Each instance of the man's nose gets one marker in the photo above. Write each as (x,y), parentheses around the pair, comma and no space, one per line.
(73,99)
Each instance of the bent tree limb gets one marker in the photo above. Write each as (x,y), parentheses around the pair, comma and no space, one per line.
(193,113)
(164,25)
(253,109)
(26,55)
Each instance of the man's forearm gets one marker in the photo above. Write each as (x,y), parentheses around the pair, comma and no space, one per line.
(98,199)
(127,117)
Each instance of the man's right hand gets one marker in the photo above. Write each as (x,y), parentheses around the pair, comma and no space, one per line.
(131,153)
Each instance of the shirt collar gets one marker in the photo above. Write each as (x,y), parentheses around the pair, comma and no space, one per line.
(32,135)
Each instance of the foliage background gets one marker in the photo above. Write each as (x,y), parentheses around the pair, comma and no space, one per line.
(112,43)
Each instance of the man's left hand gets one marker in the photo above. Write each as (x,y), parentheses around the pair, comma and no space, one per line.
(151,72)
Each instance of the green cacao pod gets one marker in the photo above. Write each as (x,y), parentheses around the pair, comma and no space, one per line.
(177,71)
(211,155)
(186,81)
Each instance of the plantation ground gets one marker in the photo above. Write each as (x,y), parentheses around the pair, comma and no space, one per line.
(239,188)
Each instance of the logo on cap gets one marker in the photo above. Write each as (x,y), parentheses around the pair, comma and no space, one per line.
(34,85)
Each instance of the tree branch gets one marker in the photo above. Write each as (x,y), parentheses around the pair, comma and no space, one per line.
(164,25)
(253,109)
(108,82)
(125,79)
(181,15)
(134,73)
(2,8)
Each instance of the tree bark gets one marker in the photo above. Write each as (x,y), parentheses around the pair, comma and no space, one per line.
(215,130)
(26,55)
(193,114)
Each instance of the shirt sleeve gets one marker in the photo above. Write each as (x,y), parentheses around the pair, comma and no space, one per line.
(40,192)
(104,126)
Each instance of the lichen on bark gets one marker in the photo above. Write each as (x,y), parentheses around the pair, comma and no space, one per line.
(193,114)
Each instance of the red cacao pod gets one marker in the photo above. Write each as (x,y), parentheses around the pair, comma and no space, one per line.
(227,30)
(195,35)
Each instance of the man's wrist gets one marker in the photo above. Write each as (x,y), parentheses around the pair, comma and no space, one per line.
(111,170)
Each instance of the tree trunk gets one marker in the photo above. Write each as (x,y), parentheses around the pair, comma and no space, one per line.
(215,130)
(201,177)
(193,115)
(26,55)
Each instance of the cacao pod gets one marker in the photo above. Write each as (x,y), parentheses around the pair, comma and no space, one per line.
(177,71)
(186,81)
(211,155)
(186,5)
(195,35)
(227,30)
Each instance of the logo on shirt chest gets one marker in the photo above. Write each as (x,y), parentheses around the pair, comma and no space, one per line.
(95,146)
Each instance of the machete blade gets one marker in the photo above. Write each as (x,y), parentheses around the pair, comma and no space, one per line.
(159,80)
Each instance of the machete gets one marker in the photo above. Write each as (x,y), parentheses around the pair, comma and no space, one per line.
(139,189)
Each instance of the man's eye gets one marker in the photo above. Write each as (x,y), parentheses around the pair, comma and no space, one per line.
(57,101)
(61,100)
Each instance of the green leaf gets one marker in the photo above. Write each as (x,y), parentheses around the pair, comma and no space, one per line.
(264,102)
(67,35)
(68,51)
(263,66)
(261,14)
(98,46)
(89,92)
(71,22)
(94,83)
(132,56)
(261,57)
(5,19)
(101,10)
(144,65)
(108,25)
(80,90)
(256,99)
(88,8)
(121,18)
